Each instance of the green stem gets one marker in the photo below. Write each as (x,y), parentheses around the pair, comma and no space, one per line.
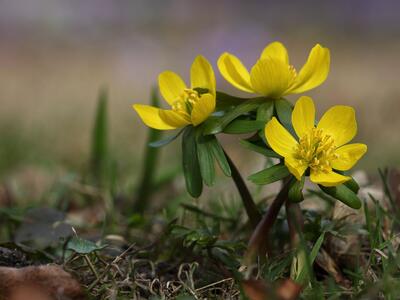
(258,244)
(295,222)
(301,264)
(252,211)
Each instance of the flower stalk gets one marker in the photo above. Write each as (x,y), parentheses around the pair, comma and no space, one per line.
(258,244)
(252,211)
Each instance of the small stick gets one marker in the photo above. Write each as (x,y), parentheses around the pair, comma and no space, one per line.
(91,267)
(108,267)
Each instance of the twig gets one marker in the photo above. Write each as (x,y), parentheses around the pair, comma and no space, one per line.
(91,267)
(213,284)
(108,267)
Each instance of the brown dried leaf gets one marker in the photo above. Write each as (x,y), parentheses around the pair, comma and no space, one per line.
(38,283)
(257,290)
(288,290)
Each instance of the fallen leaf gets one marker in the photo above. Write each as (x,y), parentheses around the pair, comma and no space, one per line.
(48,282)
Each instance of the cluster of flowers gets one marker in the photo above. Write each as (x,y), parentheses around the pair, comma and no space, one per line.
(305,147)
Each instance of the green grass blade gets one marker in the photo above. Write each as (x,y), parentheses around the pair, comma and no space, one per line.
(99,147)
(313,255)
(146,183)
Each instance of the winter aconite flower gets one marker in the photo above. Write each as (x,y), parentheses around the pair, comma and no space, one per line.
(272,75)
(322,149)
(189,105)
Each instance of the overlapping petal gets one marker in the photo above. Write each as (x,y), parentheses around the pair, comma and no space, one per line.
(280,140)
(202,75)
(233,70)
(328,179)
(171,86)
(150,116)
(202,109)
(303,116)
(348,155)
(276,50)
(314,72)
(296,167)
(339,122)
(270,77)
(173,118)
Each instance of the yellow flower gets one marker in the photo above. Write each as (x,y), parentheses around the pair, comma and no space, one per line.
(272,75)
(320,148)
(188,105)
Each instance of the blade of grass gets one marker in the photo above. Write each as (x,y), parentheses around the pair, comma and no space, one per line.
(151,155)
(99,146)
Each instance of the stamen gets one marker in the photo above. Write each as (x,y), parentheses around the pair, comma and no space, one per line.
(317,149)
(186,101)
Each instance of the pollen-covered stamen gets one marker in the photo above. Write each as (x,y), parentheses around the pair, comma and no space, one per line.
(186,101)
(317,150)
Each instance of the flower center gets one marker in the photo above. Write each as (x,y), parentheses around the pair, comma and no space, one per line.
(317,150)
(186,101)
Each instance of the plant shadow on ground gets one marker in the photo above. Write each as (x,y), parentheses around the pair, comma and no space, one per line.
(155,242)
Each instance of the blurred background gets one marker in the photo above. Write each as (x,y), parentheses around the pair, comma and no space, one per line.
(55,55)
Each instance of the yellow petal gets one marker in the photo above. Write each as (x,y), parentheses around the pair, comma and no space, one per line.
(280,140)
(234,72)
(339,122)
(348,155)
(202,74)
(303,115)
(270,77)
(276,50)
(171,86)
(203,108)
(173,118)
(296,167)
(150,116)
(328,179)
(314,71)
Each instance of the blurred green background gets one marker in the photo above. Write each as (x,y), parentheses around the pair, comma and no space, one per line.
(55,55)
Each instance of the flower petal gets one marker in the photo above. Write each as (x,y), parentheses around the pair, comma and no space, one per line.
(202,74)
(339,122)
(276,50)
(296,167)
(348,155)
(171,86)
(280,140)
(314,72)
(328,179)
(150,116)
(173,118)
(270,77)
(234,72)
(203,108)
(303,115)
